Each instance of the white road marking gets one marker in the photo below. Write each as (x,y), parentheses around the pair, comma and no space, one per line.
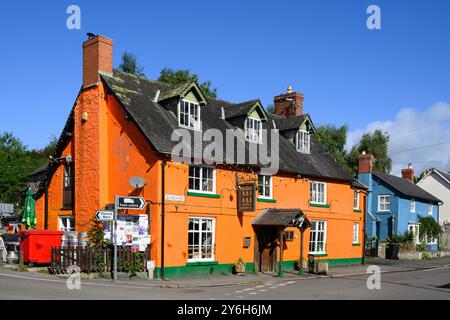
(427,270)
(253,293)
(263,290)
(290,282)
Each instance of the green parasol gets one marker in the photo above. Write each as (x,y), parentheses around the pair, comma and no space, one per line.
(29,218)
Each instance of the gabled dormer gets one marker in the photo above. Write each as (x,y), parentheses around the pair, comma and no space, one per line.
(185,101)
(248,116)
(302,139)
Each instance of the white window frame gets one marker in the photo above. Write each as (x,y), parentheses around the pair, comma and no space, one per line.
(430,209)
(200,231)
(315,193)
(356,196)
(192,124)
(385,203)
(316,242)
(254,133)
(416,231)
(412,206)
(70,222)
(355,233)
(303,141)
(201,179)
(265,196)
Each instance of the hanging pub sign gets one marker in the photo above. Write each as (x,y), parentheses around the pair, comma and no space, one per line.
(246,197)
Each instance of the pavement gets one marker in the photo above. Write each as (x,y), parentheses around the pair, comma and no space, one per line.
(396,281)
(222,280)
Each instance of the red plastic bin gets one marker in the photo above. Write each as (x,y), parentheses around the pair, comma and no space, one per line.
(36,245)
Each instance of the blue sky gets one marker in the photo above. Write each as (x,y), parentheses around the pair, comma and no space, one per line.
(248,49)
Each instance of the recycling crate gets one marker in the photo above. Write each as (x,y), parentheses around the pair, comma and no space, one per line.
(36,245)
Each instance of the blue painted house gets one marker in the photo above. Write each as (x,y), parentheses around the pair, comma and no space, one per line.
(395,204)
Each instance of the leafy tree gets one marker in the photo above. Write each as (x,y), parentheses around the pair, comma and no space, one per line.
(333,140)
(270,108)
(130,65)
(171,76)
(16,163)
(429,228)
(375,143)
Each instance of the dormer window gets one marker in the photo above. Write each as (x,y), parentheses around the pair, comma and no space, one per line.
(253,130)
(303,141)
(189,114)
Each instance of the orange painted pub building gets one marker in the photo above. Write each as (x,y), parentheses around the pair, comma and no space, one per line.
(206,216)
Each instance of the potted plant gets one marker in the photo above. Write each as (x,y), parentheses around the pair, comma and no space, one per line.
(393,246)
(239,267)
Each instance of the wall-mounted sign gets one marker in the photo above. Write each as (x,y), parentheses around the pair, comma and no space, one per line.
(246,197)
(124,202)
(172,197)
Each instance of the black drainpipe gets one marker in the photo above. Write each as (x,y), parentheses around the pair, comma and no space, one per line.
(163,182)
(46,207)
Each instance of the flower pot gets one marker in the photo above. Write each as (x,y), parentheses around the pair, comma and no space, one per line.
(392,251)
(239,268)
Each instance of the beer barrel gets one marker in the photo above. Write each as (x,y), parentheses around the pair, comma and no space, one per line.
(83,239)
(73,239)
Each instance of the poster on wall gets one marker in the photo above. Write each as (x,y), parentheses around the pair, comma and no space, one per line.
(132,231)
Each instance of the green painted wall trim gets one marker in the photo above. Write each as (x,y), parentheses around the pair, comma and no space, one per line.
(319,254)
(356,210)
(356,244)
(319,205)
(202,263)
(266,200)
(204,270)
(205,195)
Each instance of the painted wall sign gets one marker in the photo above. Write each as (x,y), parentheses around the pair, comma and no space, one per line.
(246,197)
(173,197)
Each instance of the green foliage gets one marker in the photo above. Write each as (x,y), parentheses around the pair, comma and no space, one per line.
(171,76)
(429,228)
(421,246)
(130,65)
(426,256)
(16,163)
(270,108)
(396,238)
(333,140)
(375,143)
(133,266)
(97,236)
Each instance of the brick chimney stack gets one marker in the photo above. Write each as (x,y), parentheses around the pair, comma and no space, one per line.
(289,104)
(366,162)
(97,58)
(408,173)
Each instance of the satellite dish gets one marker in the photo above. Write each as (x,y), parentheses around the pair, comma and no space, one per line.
(137,182)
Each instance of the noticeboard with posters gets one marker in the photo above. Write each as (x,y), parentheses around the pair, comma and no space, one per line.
(132,231)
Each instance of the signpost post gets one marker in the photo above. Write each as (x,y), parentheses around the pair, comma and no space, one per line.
(128,203)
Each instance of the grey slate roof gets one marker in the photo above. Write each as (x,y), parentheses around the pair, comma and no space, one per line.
(157,124)
(444,174)
(405,187)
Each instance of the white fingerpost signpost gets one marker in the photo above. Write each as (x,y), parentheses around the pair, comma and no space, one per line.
(127,203)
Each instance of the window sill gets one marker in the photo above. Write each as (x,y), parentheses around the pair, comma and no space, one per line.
(320,205)
(266,200)
(356,244)
(357,210)
(66,209)
(383,212)
(319,254)
(202,263)
(204,195)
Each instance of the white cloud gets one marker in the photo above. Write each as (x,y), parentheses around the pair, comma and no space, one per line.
(410,130)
